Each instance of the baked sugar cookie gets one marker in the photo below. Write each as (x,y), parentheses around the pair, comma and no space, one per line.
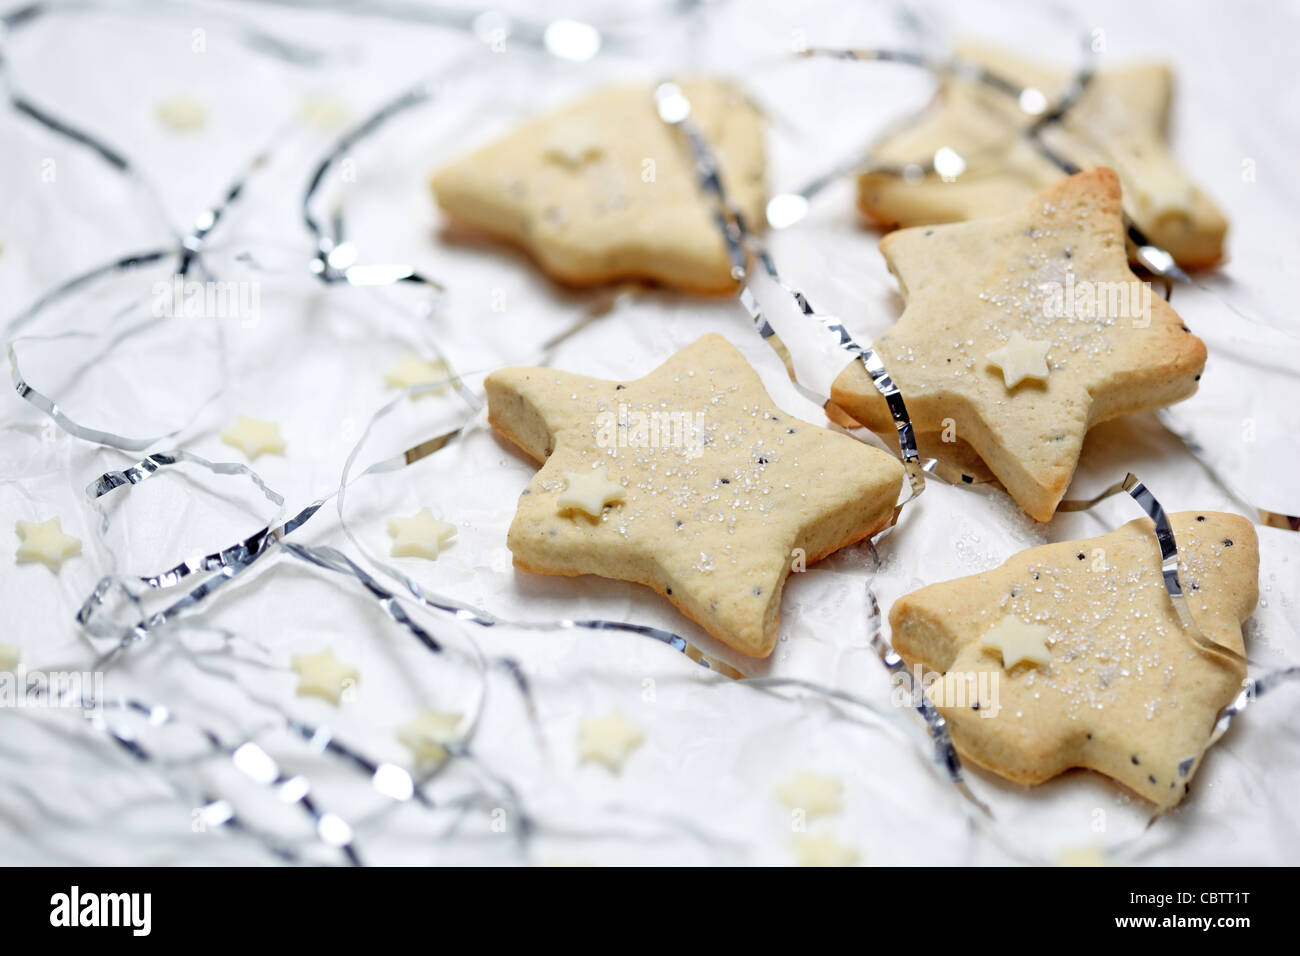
(1072,654)
(689,481)
(1118,122)
(1021,332)
(602,190)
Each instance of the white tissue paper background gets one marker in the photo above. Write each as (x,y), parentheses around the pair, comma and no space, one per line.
(700,789)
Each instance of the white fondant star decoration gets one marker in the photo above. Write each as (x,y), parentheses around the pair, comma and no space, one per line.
(814,794)
(427,734)
(323,675)
(254,437)
(411,370)
(419,536)
(820,849)
(1021,358)
(44,541)
(1018,641)
(589,492)
(608,740)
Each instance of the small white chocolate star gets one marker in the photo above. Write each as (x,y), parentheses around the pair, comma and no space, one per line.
(427,734)
(254,437)
(322,111)
(10,655)
(419,536)
(589,492)
(573,141)
(819,849)
(323,675)
(1082,856)
(1017,641)
(608,740)
(182,114)
(411,370)
(1021,358)
(45,542)
(812,793)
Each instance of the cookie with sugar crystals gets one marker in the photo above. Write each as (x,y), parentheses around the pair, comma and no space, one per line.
(1118,122)
(602,189)
(1021,332)
(689,481)
(1072,654)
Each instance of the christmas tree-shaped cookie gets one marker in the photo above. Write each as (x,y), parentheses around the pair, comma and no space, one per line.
(1073,655)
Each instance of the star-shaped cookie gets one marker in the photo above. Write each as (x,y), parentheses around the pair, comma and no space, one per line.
(46,542)
(602,190)
(1118,122)
(1126,692)
(722,489)
(1055,272)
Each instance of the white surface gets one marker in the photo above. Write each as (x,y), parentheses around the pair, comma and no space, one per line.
(700,789)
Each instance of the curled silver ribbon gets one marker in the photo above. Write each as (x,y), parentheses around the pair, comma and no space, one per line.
(1164,535)
(674,109)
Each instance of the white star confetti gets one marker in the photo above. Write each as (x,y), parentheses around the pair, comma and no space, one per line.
(814,794)
(411,370)
(427,734)
(818,849)
(254,437)
(608,740)
(419,536)
(44,541)
(323,675)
